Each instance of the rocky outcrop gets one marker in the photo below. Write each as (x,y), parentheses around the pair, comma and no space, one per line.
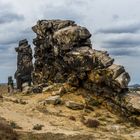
(64,53)
(24,64)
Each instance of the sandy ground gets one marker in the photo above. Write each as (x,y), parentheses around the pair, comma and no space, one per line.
(56,119)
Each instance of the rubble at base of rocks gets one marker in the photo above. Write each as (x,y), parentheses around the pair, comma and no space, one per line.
(64,54)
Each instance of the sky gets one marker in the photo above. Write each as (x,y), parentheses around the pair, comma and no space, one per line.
(114,25)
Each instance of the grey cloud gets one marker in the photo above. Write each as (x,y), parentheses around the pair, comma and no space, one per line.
(126,44)
(76,2)
(63,13)
(10,17)
(14,37)
(10,40)
(120,44)
(5,60)
(122,47)
(121,28)
(126,40)
(69,10)
(3,48)
(115,17)
(7,15)
(27,33)
(7,57)
(124,52)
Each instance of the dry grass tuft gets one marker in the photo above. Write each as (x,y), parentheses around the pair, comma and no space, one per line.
(6,132)
(91,123)
(72,118)
(38,127)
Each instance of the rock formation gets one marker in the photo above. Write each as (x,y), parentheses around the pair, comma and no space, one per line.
(24,64)
(64,53)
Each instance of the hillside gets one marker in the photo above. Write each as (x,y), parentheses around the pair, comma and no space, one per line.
(60,122)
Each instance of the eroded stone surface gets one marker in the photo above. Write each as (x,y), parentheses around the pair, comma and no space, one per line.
(74,105)
(64,53)
(53,100)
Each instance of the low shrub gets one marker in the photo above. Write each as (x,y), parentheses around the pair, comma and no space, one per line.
(38,127)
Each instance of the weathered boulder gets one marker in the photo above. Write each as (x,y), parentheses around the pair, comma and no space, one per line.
(123,79)
(53,100)
(60,92)
(131,101)
(37,89)
(117,70)
(71,36)
(74,105)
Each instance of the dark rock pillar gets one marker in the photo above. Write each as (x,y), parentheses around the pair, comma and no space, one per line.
(24,64)
(10,85)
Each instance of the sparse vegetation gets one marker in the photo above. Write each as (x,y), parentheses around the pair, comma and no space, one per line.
(6,131)
(34,115)
(72,118)
(38,127)
(15,125)
(91,123)
(20,101)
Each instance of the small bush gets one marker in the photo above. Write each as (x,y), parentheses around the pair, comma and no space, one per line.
(72,118)
(14,125)
(38,127)
(92,123)
(6,132)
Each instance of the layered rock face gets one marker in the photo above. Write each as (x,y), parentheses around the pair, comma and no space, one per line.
(64,53)
(24,64)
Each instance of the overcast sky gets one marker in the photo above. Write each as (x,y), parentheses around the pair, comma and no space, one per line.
(114,24)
